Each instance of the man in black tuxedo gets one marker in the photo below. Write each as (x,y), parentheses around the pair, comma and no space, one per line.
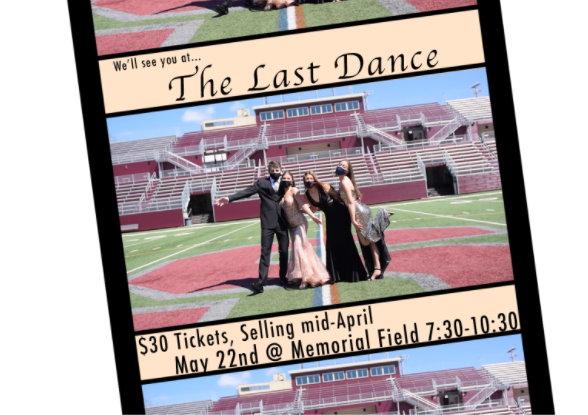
(273,221)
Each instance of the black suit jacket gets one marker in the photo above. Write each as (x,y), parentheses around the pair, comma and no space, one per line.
(271,213)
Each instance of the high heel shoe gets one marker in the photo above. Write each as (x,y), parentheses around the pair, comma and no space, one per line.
(377,277)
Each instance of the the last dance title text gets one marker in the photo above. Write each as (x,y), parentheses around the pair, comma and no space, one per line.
(347,66)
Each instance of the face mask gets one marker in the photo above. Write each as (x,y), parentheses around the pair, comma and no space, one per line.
(286,183)
(340,171)
(309,185)
(275,176)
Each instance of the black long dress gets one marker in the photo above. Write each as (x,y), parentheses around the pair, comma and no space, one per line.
(343,261)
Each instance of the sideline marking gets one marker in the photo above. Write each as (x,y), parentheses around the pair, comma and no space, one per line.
(441,199)
(185,228)
(187,249)
(325,290)
(452,217)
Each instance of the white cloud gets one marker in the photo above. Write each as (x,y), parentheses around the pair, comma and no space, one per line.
(237,106)
(234,380)
(198,115)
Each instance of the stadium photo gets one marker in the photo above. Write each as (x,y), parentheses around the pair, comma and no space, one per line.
(131,25)
(434,165)
(477,377)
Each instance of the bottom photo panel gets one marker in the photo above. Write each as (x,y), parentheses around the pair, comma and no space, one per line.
(486,376)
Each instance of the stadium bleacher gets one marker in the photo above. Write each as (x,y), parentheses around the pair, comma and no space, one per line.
(374,146)
(479,108)
(188,408)
(138,150)
(514,372)
(481,392)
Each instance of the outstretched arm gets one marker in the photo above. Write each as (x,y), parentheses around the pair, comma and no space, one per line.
(250,191)
(346,186)
(305,207)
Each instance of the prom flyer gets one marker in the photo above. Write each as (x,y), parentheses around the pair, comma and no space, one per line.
(309,207)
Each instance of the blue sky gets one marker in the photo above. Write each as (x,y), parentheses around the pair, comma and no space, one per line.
(409,91)
(447,356)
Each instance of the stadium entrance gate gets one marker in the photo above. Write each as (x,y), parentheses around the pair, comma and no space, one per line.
(353,411)
(201,208)
(440,181)
(449,398)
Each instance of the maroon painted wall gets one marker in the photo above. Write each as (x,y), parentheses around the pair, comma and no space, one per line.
(381,407)
(371,195)
(237,210)
(154,220)
(479,182)
(394,192)
(134,168)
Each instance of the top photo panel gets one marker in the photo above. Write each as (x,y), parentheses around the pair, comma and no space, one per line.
(124,26)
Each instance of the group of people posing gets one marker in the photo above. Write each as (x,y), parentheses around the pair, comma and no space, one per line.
(282,216)
(223,8)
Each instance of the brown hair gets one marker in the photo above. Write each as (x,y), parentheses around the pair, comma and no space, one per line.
(291,175)
(352,178)
(314,176)
(273,164)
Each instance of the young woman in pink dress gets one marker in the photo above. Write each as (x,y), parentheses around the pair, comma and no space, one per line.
(305,267)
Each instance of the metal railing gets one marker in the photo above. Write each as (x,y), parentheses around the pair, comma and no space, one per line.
(182,162)
(446,131)
(421,144)
(132,157)
(489,136)
(186,196)
(275,139)
(422,168)
(148,191)
(483,394)
(347,399)
(319,155)
(131,179)
(451,409)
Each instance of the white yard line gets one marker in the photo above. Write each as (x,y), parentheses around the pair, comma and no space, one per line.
(192,247)
(291,13)
(441,199)
(452,217)
(325,289)
(185,228)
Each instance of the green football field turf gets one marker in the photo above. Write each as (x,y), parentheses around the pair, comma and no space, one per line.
(246,23)
(146,249)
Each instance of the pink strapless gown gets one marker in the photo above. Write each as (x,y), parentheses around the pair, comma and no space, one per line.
(279,4)
(304,266)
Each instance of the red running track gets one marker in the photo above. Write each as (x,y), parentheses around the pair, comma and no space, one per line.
(235,268)
(161,319)
(404,236)
(145,8)
(458,266)
(429,5)
(187,275)
(111,44)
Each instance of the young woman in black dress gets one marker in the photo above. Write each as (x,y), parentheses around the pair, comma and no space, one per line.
(343,261)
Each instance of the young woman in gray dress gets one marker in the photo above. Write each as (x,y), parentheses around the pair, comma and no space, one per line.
(369,230)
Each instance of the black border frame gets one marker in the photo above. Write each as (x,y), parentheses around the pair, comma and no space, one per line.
(494,43)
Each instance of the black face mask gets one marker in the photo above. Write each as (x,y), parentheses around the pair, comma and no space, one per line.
(275,176)
(309,185)
(286,183)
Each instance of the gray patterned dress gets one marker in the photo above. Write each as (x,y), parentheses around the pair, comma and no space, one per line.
(371,229)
